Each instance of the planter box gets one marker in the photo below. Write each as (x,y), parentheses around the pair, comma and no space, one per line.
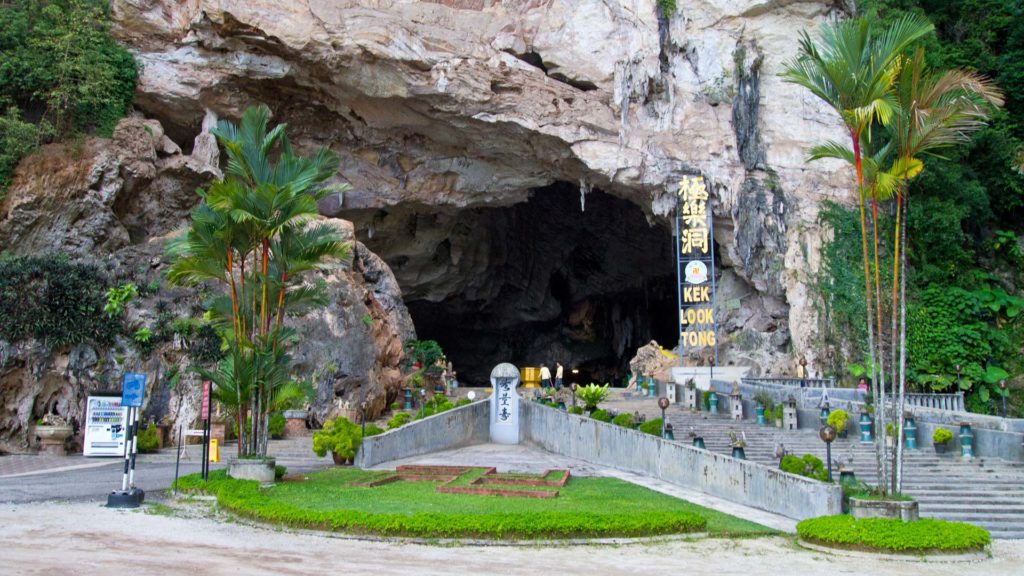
(259,469)
(904,510)
(295,423)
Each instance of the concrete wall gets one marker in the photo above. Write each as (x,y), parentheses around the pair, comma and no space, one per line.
(457,427)
(739,481)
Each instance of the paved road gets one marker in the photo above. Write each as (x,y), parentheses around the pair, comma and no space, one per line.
(83,538)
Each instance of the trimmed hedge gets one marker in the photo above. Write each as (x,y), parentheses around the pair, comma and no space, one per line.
(246,498)
(652,427)
(893,535)
(601,416)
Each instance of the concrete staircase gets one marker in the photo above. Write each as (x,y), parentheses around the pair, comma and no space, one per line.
(984,491)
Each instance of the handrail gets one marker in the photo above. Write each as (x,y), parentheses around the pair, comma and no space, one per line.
(794,382)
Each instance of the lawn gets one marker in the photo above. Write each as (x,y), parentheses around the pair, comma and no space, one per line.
(585,507)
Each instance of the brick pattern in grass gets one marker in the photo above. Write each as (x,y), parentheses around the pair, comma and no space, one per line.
(479,480)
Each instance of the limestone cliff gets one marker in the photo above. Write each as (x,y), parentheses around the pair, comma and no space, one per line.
(114,202)
(443,106)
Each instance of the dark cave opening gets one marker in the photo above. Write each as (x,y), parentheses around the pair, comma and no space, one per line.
(539,281)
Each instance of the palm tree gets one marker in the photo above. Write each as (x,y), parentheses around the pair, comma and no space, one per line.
(936,111)
(253,234)
(853,71)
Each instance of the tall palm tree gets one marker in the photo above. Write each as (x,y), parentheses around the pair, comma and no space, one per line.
(936,111)
(853,70)
(253,234)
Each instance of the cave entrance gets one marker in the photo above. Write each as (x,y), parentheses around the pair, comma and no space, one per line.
(538,281)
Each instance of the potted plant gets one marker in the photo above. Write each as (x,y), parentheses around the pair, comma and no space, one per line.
(777,415)
(591,395)
(738,444)
(764,406)
(940,439)
(838,419)
(340,437)
(53,431)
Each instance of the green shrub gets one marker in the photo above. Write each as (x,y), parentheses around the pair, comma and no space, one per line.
(652,427)
(601,416)
(280,471)
(591,395)
(276,425)
(339,437)
(439,403)
(838,420)
(576,410)
(372,430)
(55,301)
(463,402)
(149,439)
(893,535)
(941,436)
(17,140)
(625,420)
(398,420)
(807,465)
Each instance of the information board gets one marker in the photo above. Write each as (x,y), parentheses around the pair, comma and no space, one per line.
(133,389)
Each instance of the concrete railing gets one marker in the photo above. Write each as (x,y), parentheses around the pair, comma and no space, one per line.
(954,402)
(457,427)
(739,481)
(793,382)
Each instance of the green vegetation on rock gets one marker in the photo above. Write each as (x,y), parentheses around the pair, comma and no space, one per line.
(61,74)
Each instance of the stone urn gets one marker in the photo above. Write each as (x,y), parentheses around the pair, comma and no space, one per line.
(259,469)
(52,438)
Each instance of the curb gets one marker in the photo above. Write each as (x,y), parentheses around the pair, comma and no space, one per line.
(931,557)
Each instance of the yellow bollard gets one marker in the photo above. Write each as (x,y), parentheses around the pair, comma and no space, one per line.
(214,450)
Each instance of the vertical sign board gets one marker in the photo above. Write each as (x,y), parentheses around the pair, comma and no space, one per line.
(695,251)
(204,412)
(133,390)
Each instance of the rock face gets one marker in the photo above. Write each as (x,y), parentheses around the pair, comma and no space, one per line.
(113,202)
(454,105)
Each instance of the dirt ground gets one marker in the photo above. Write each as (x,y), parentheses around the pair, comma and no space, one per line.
(86,538)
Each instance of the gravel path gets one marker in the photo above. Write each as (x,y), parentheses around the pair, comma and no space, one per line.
(86,538)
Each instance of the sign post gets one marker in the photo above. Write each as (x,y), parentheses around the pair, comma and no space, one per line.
(695,267)
(132,391)
(204,413)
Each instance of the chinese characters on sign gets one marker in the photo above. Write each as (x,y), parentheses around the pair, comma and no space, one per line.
(504,395)
(696,266)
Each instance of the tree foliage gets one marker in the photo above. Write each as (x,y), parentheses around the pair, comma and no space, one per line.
(61,74)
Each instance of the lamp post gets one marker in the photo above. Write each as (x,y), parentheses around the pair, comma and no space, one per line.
(803,372)
(573,386)
(663,404)
(362,407)
(827,435)
(1002,392)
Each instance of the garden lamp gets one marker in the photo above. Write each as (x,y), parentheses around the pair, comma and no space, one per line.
(663,404)
(828,435)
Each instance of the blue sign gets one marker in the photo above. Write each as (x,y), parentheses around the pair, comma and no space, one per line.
(133,390)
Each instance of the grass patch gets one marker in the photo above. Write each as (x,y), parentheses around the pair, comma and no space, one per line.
(586,507)
(893,535)
(158,509)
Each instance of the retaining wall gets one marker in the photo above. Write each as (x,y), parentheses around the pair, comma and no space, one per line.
(739,481)
(460,426)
